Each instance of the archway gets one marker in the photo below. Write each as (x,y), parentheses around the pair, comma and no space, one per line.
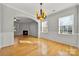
(31,19)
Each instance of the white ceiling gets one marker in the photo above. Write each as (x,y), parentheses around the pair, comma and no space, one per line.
(31,7)
(24,20)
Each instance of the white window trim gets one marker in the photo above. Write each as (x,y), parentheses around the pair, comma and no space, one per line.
(72,26)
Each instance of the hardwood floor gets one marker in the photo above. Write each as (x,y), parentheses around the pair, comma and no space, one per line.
(32,46)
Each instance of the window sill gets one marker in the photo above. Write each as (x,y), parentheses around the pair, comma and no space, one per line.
(65,34)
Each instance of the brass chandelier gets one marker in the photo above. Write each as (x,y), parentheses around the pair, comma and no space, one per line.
(41,14)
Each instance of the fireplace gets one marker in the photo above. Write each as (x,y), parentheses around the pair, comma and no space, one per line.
(25,32)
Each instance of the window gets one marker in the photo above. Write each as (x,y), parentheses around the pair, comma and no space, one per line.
(66,24)
(44,26)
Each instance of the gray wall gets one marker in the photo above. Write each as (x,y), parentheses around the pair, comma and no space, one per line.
(31,27)
(0,26)
(53,28)
(78,25)
(20,27)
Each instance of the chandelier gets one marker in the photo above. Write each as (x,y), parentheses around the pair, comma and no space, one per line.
(41,14)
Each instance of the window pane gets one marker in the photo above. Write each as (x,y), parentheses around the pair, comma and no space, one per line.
(70,29)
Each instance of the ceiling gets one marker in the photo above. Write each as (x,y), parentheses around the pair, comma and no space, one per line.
(49,7)
(24,20)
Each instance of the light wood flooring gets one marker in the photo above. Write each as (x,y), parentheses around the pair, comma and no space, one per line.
(32,46)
